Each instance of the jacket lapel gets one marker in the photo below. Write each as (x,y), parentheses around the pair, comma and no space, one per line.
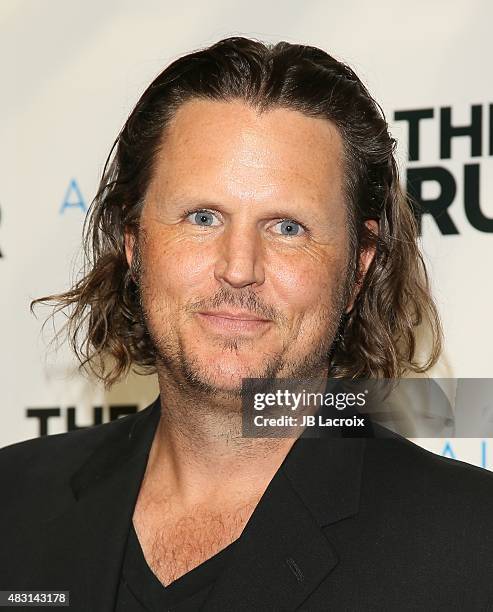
(84,545)
(106,489)
(283,554)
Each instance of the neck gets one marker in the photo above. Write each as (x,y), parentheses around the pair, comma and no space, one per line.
(199,452)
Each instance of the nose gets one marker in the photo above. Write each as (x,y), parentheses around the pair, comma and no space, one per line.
(240,257)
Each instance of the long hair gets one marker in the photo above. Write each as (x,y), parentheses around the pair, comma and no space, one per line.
(378,337)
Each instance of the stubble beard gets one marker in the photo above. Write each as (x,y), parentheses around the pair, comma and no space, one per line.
(190,373)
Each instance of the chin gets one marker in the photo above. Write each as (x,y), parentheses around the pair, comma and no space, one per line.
(226,372)
(217,383)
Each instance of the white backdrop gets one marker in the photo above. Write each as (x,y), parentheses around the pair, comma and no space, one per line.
(71,73)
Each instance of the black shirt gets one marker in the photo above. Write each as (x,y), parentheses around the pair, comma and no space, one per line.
(141,591)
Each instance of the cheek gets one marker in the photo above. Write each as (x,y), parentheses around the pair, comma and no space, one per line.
(306,284)
(175,270)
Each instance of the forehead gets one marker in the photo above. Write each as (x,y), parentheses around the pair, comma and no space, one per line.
(228,147)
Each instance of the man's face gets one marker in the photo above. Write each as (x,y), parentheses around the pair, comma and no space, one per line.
(245,214)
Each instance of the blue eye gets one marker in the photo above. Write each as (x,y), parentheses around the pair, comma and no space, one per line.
(290,227)
(203,218)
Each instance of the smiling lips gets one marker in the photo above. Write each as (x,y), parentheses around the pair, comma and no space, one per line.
(237,321)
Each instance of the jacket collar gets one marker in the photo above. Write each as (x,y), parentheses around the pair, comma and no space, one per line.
(282,555)
(130,439)
(316,467)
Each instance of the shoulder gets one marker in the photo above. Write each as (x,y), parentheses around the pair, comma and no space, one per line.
(435,489)
(58,454)
(432,516)
(39,473)
(399,456)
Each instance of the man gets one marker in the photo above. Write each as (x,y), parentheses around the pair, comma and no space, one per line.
(250,225)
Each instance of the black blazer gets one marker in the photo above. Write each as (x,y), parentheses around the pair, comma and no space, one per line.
(345,524)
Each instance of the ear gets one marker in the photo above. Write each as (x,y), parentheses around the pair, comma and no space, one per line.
(129,246)
(365,259)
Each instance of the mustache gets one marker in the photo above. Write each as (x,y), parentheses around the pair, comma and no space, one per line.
(242,300)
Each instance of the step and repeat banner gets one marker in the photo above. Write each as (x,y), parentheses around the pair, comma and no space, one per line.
(71,73)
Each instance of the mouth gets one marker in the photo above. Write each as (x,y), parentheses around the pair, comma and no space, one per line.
(229,321)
